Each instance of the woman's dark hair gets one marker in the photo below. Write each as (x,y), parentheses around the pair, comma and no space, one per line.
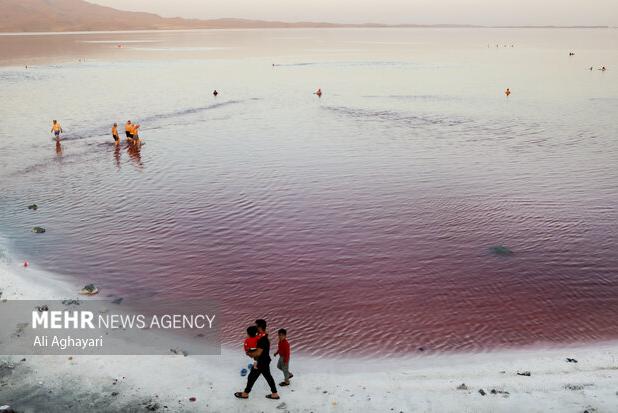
(261,324)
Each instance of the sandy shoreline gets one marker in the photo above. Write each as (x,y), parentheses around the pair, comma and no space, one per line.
(423,383)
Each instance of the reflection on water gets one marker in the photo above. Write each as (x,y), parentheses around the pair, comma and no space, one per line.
(363,221)
(135,153)
(117,156)
(58,149)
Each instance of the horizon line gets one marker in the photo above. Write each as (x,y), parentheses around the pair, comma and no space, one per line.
(323,26)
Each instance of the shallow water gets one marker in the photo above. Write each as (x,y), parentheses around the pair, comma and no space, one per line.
(362,221)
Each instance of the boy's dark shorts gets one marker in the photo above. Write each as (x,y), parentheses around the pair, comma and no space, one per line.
(129,134)
(116,138)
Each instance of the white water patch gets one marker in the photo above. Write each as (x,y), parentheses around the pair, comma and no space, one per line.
(119,41)
(180,49)
(19,282)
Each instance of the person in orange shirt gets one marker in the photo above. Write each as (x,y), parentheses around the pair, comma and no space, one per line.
(56,129)
(135,133)
(128,128)
(115,134)
(507,92)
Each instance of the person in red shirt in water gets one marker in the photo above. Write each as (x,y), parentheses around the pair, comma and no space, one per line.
(283,350)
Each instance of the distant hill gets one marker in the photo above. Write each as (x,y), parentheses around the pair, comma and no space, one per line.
(79,15)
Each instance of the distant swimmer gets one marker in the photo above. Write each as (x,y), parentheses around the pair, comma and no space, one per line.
(603,69)
(591,68)
(128,130)
(571,54)
(215,93)
(56,129)
(318,92)
(115,134)
(507,92)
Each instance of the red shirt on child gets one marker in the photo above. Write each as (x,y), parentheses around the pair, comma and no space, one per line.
(250,343)
(284,350)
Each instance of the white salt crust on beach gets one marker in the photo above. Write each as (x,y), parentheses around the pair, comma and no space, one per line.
(426,383)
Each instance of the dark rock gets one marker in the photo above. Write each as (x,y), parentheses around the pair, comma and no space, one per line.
(88,289)
(192,399)
(482,392)
(115,393)
(33,207)
(38,230)
(153,407)
(183,352)
(500,250)
(570,360)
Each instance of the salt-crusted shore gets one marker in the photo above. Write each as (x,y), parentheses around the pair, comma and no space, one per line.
(427,383)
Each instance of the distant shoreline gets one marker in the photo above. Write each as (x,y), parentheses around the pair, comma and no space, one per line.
(317,26)
(81,15)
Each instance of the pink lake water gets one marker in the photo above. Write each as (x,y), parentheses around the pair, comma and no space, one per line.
(362,221)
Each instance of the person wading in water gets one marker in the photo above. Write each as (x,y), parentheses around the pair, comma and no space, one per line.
(262,355)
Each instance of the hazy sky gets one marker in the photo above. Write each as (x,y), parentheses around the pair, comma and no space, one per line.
(483,12)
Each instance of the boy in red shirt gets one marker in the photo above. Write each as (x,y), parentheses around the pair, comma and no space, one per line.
(250,343)
(283,350)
